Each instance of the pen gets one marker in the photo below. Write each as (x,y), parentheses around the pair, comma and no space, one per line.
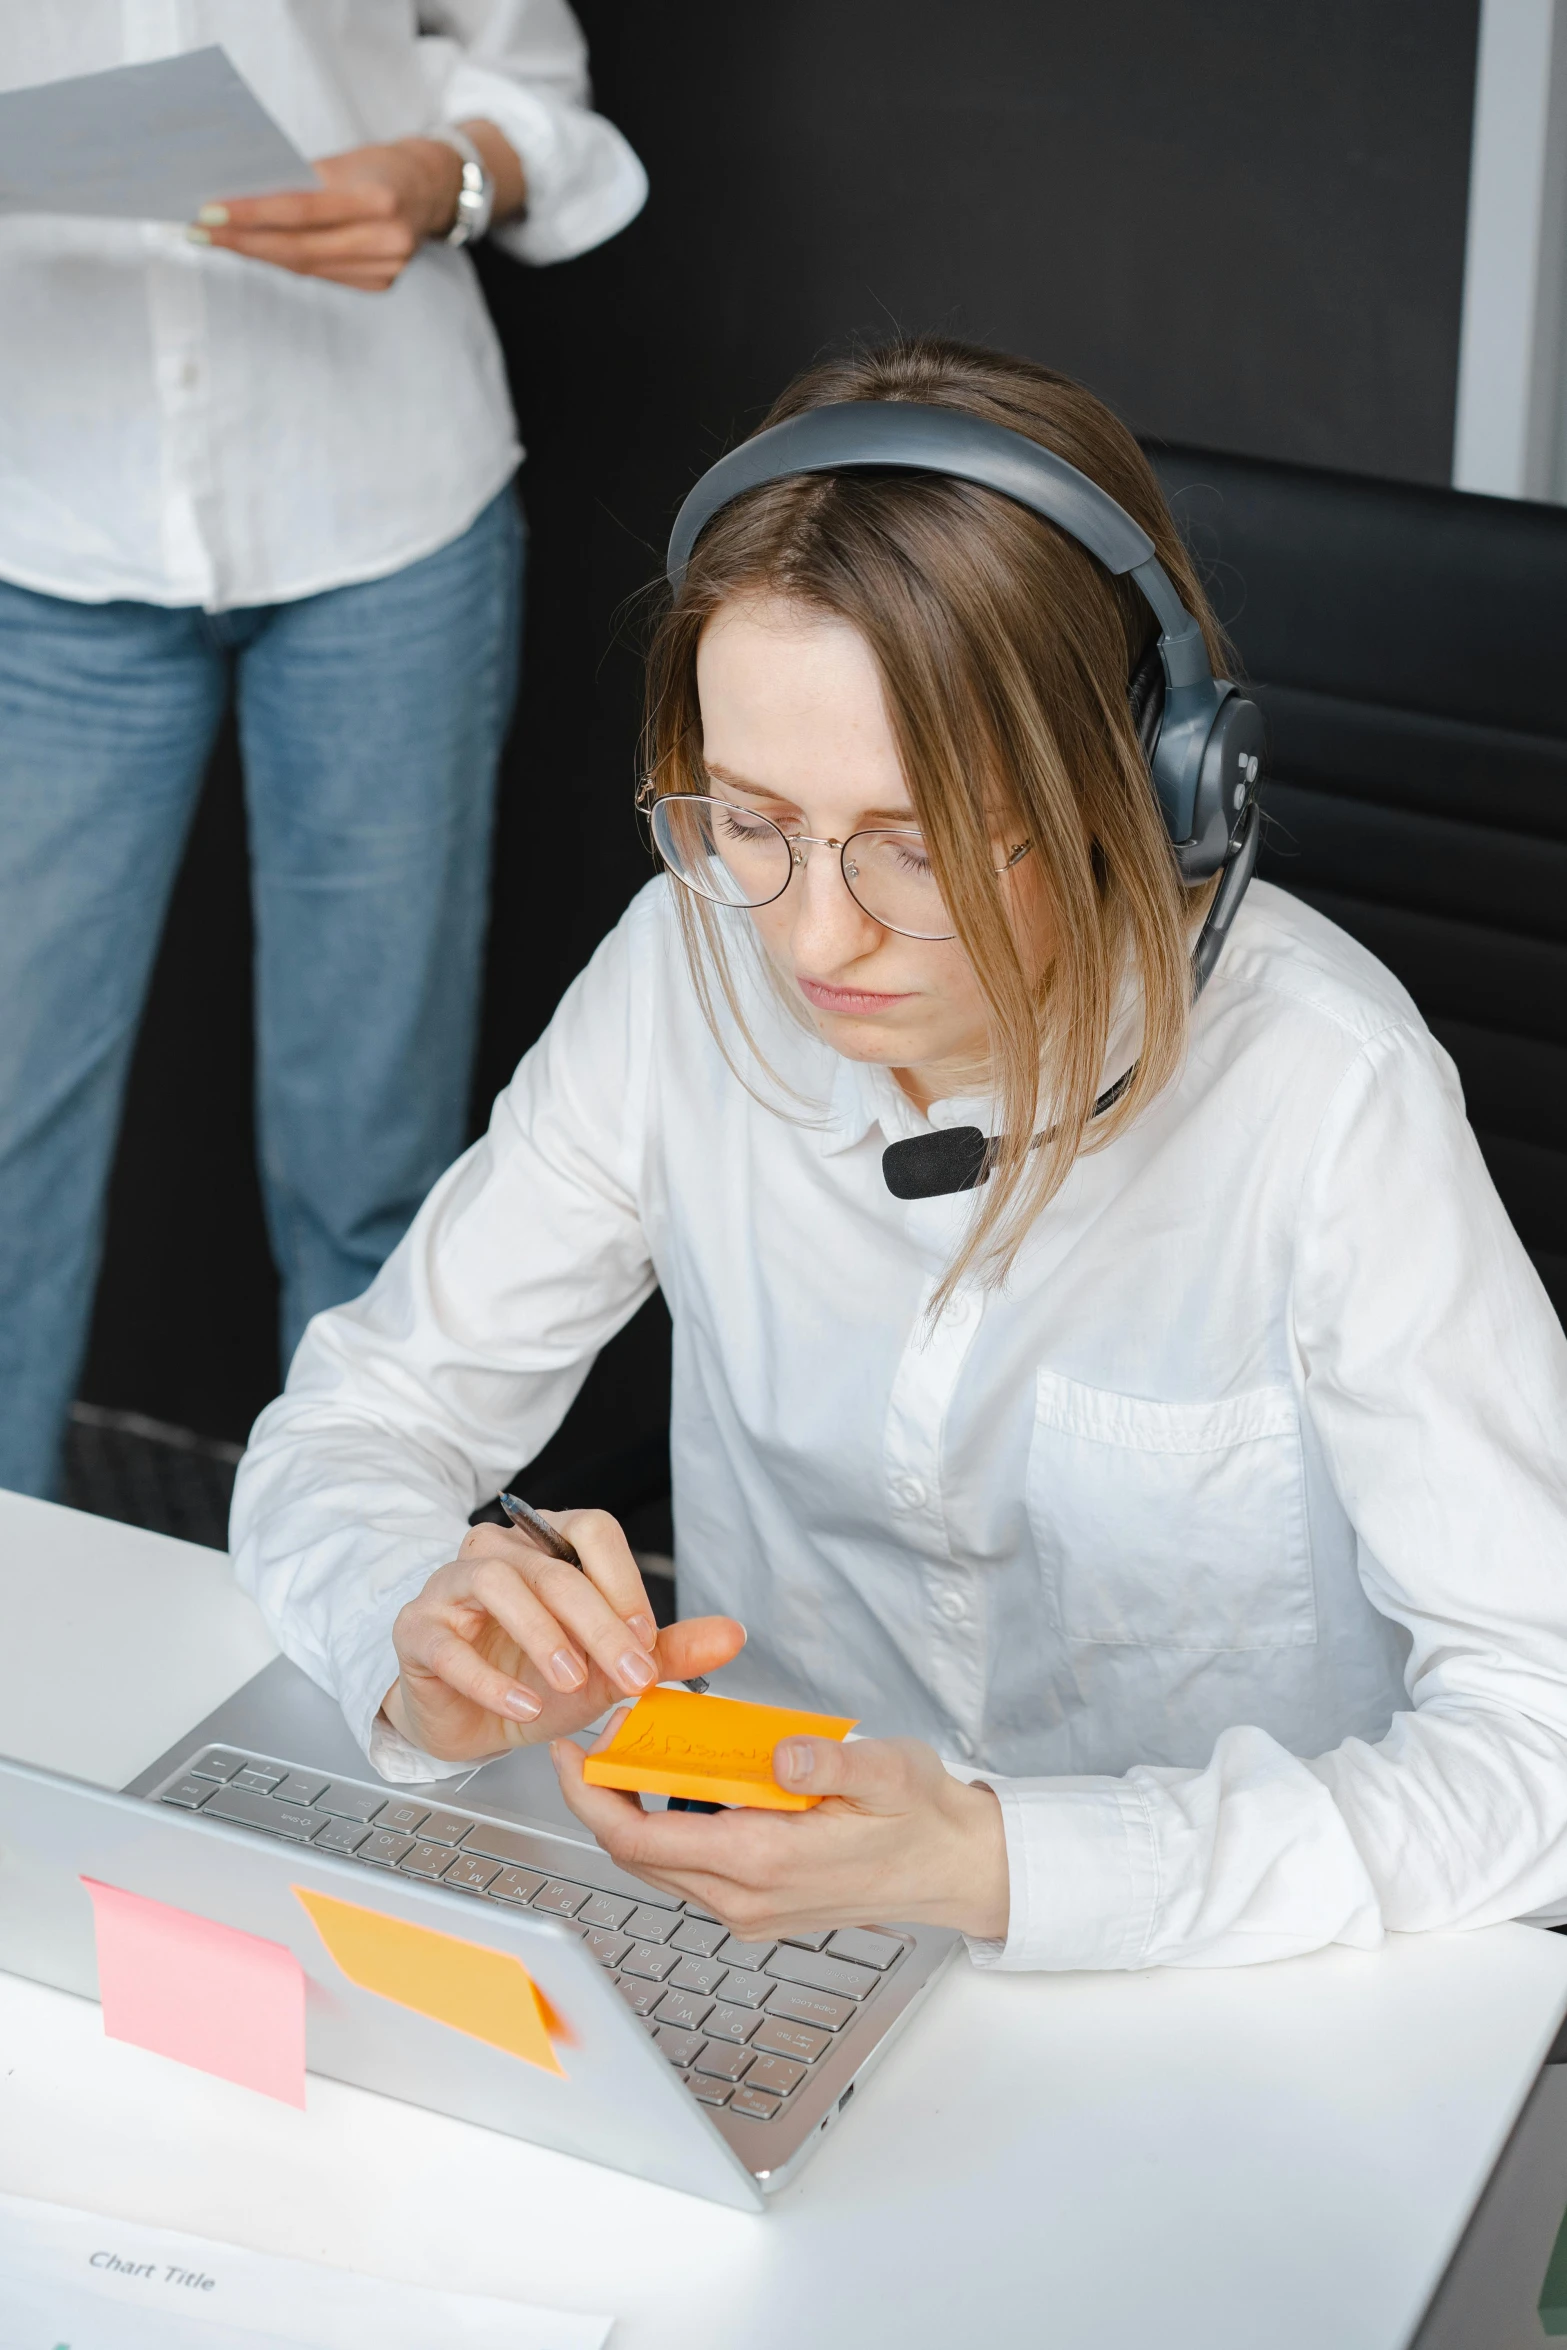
(539,1530)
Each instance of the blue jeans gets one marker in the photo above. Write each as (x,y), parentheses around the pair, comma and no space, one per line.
(370,721)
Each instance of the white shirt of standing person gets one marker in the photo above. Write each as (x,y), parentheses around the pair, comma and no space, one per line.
(1225,1540)
(181,424)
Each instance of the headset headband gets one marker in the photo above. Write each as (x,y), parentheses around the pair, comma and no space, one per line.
(1206,758)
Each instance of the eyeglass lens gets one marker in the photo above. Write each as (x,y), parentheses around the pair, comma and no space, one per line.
(737,858)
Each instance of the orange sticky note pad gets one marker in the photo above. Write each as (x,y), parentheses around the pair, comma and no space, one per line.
(489,1994)
(208,1995)
(714,1748)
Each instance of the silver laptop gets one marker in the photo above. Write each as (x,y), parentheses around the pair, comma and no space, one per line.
(696,2060)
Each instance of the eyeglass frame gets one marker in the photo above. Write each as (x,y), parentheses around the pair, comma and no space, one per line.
(794,841)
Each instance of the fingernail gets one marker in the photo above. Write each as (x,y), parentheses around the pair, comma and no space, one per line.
(645,1629)
(567,1669)
(637,1669)
(523,1704)
(793,1761)
(198,236)
(214,216)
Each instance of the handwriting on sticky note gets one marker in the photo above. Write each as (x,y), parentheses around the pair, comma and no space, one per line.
(714,1748)
(486,1993)
(208,1995)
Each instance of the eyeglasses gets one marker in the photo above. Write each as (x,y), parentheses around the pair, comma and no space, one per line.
(733,857)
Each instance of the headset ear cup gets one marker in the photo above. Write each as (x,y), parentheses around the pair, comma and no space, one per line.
(1146,696)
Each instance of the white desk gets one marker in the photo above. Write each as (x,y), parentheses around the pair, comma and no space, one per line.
(1197,2161)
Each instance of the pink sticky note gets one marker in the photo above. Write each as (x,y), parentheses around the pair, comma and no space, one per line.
(208,1995)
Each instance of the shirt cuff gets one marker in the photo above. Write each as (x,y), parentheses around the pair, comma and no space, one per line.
(403,1764)
(584,182)
(1083,1874)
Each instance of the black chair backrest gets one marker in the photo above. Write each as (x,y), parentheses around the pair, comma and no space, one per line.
(1409,647)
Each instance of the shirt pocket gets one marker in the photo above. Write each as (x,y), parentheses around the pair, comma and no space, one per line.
(1172,1525)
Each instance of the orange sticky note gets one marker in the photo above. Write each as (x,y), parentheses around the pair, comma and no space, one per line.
(207,1995)
(715,1748)
(487,1993)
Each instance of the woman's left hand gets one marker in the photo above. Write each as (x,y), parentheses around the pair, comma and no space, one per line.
(897,1840)
(374,209)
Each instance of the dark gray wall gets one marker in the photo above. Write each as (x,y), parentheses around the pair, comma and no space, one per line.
(1242,223)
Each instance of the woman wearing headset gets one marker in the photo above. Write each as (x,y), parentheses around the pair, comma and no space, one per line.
(1182,1510)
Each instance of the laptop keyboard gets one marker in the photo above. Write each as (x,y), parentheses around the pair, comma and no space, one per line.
(741,2022)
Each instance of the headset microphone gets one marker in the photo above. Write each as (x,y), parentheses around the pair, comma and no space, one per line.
(1204,739)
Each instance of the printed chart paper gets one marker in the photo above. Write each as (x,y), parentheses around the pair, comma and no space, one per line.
(208,1995)
(717,1749)
(143,142)
(72,2281)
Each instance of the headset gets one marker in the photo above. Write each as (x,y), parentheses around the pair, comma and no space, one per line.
(1204,740)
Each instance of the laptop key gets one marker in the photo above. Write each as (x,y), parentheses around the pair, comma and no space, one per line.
(299,1787)
(514,1884)
(697,1974)
(679,2047)
(503,1844)
(651,1960)
(404,1818)
(865,1947)
(607,1909)
(218,1763)
(732,2023)
(641,1998)
(350,1803)
(445,1827)
(811,2007)
(188,1794)
(425,1860)
(258,1781)
(342,1836)
(819,1972)
(756,2106)
(652,1925)
(709,2092)
(723,2061)
(775,2074)
(752,1956)
(701,1937)
(383,1849)
(817,1941)
(680,2009)
(799,2041)
(560,1899)
(608,1947)
(745,1990)
(294,1821)
(471,1873)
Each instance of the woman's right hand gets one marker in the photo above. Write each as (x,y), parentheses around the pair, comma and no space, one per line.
(508,1647)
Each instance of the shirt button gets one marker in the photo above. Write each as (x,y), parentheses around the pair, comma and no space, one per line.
(958,1311)
(190,374)
(911,1492)
(965,1745)
(952,1605)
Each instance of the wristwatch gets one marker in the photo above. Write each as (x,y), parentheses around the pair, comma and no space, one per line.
(476,198)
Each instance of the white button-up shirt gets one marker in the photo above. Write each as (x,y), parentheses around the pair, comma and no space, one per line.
(182,426)
(1227,1539)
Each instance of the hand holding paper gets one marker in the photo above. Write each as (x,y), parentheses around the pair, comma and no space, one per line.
(712,1748)
(890,1837)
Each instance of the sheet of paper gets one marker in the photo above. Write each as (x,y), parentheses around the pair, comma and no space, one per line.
(487,1993)
(143,142)
(225,2002)
(718,1749)
(72,2281)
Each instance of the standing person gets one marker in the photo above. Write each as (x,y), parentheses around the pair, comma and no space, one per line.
(270,453)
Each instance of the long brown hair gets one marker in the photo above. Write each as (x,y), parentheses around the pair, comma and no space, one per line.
(1005,651)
